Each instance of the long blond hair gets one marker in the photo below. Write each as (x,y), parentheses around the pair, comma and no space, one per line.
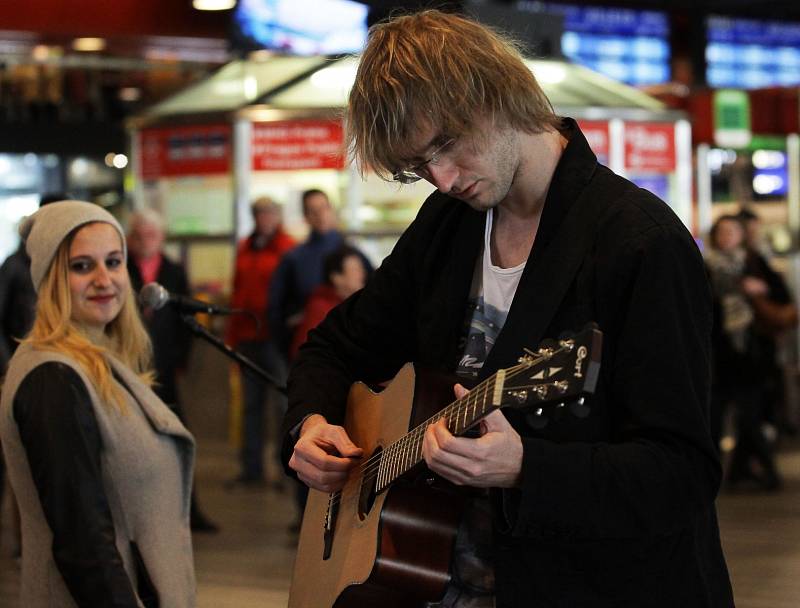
(53,329)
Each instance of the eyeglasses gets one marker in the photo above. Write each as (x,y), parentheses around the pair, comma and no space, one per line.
(414,173)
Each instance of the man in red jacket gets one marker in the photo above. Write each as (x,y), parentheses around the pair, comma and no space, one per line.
(257,257)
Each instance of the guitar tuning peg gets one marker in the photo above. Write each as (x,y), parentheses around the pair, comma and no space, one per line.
(541,390)
(567,345)
(561,386)
(579,408)
(520,396)
(537,419)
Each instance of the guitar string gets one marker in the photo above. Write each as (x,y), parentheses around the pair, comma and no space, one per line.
(370,468)
(372,465)
(481,391)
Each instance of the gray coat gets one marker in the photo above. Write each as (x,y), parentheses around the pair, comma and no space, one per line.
(151,510)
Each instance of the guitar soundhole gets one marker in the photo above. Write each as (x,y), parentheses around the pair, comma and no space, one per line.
(369,483)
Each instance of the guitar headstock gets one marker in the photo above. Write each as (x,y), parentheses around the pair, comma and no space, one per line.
(556,375)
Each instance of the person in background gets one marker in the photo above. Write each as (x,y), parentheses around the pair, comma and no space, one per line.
(300,270)
(344,274)
(17,296)
(100,466)
(17,308)
(776,314)
(257,258)
(170,337)
(526,237)
(737,355)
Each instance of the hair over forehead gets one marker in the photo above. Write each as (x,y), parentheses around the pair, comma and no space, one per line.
(433,69)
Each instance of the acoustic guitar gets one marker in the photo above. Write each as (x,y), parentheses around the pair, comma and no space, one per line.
(385,539)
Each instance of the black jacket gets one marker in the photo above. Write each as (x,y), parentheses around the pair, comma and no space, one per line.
(59,430)
(616,509)
(170,336)
(17,302)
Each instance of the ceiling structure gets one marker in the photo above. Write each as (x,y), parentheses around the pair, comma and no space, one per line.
(57,98)
(757,9)
(153,48)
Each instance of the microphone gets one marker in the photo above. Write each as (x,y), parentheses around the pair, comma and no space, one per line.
(155,297)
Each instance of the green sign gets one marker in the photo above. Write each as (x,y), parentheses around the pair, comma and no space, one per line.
(731,118)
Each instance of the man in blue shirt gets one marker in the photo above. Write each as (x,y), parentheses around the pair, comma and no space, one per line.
(300,269)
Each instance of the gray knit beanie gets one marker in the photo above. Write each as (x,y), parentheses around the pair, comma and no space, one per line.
(45,230)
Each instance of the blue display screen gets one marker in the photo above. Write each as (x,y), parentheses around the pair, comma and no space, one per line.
(628,45)
(657,184)
(747,53)
(301,27)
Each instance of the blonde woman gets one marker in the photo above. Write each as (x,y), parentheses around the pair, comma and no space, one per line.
(101,468)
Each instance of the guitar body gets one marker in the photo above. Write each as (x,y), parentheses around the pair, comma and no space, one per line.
(361,547)
(390,550)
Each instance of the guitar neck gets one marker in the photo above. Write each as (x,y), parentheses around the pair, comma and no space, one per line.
(401,456)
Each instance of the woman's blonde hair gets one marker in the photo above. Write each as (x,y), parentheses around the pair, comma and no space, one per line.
(438,69)
(53,329)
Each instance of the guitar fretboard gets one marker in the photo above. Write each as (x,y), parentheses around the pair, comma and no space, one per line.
(402,455)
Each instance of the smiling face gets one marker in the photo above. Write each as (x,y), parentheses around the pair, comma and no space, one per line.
(98,278)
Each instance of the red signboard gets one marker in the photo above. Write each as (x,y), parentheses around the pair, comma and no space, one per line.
(650,147)
(596,133)
(293,145)
(193,150)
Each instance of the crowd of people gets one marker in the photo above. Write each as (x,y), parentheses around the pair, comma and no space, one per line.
(526,237)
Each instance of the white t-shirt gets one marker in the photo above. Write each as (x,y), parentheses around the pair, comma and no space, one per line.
(491,294)
(492,291)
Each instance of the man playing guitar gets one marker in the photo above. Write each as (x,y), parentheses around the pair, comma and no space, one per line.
(526,236)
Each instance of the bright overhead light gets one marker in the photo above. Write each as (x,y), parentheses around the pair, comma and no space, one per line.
(549,73)
(89,45)
(250,88)
(79,167)
(213,5)
(130,94)
(260,55)
(40,52)
(120,161)
(335,77)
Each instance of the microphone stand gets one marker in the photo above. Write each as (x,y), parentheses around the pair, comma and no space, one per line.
(202,332)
